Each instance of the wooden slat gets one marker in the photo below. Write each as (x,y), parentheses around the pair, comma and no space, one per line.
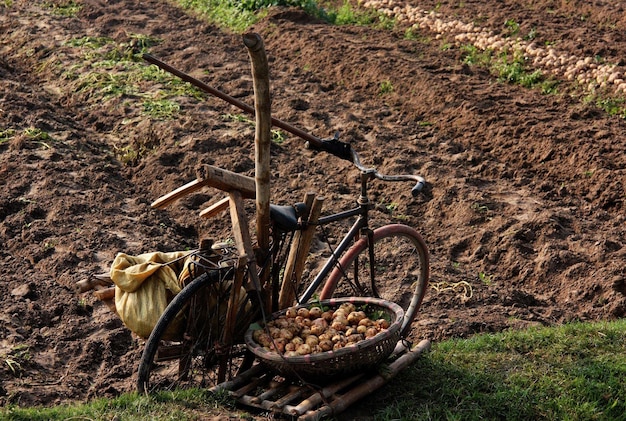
(90,283)
(227,180)
(182,191)
(208,175)
(297,256)
(105,293)
(215,208)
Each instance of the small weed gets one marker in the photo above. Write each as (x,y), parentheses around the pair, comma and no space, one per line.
(512,28)
(16,358)
(89,42)
(163,109)
(613,106)
(480,208)
(411,34)
(484,278)
(386,87)
(68,8)
(391,206)
(131,154)
(588,173)
(474,56)
(509,67)
(36,134)
(278,137)
(242,118)
(39,136)
(532,34)
(6,135)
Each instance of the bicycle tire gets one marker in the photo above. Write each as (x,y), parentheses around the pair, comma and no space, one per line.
(401,270)
(194,358)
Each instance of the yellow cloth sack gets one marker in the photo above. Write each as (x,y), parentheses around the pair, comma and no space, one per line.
(144,285)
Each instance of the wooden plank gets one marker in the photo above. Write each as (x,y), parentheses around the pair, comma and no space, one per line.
(240,380)
(233,300)
(241,233)
(297,256)
(226,180)
(182,191)
(215,208)
(105,293)
(208,175)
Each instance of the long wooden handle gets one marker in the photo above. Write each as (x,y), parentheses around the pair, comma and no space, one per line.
(314,141)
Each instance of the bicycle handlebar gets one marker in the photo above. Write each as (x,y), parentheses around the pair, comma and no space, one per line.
(344,151)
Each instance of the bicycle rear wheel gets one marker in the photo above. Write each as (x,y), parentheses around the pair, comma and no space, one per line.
(185,348)
(400,270)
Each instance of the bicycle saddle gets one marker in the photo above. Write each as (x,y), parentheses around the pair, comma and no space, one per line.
(286,217)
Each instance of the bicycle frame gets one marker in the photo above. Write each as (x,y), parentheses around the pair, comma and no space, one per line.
(360,226)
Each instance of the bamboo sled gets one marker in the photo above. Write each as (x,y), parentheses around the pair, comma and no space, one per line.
(257,388)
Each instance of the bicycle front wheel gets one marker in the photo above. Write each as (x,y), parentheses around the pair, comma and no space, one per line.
(395,269)
(185,348)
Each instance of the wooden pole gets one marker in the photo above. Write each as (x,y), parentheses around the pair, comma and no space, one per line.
(297,256)
(262,138)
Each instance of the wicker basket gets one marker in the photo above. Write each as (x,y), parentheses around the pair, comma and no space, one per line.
(361,356)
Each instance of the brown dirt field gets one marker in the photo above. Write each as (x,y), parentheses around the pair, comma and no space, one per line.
(525,202)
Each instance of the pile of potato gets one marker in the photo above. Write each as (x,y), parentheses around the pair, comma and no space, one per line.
(302,331)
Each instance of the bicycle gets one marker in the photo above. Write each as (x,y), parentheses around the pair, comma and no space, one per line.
(234,285)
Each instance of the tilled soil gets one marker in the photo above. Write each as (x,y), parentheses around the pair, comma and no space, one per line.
(523,214)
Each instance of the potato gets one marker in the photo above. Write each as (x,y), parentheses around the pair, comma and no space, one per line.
(327,315)
(302,331)
(315,312)
(382,324)
(366,322)
(326,345)
(312,341)
(286,334)
(303,312)
(371,331)
(304,349)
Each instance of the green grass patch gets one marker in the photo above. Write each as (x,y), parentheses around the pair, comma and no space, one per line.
(68,8)
(239,15)
(227,14)
(571,372)
(167,406)
(509,67)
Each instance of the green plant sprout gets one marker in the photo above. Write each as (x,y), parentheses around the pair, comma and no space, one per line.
(386,87)
(484,278)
